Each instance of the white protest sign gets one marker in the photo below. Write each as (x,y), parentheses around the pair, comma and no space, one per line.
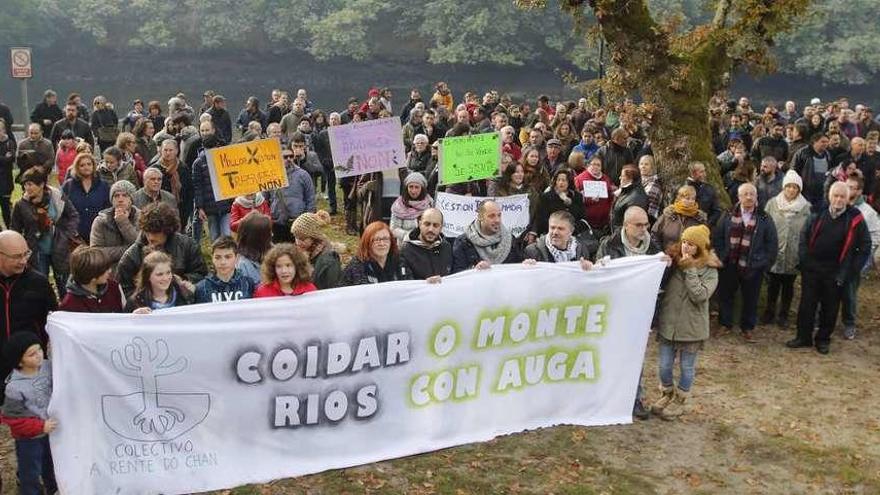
(213,396)
(369,146)
(595,189)
(459,211)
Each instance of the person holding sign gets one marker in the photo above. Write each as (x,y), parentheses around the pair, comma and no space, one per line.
(598,191)
(561,197)
(298,197)
(158,287)
(486,242)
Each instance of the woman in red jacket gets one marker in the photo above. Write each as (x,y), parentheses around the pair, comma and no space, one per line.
(244,205)
(90,288)
(286,272)
(597,200)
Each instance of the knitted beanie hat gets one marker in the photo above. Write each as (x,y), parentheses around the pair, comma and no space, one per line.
(698,235)
(415,178)
(17,345)
(122,186)
(792,177)
(308,225)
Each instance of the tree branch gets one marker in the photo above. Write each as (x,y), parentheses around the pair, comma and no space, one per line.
(721,12)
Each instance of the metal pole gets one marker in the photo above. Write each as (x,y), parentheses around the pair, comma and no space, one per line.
(601,68)
(24,106)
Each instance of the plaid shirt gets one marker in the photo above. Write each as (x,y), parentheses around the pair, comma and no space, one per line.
(654,191)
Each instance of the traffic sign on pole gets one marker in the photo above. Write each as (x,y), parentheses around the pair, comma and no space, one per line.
(21,63)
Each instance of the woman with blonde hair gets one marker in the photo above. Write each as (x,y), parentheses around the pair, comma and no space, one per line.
(683,213)
(88,193)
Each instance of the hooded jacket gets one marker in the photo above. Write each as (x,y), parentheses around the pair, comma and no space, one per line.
(684,305)
(212,290)
(125,170)
(426,260)
(109,298)
(242,206)
(187,259)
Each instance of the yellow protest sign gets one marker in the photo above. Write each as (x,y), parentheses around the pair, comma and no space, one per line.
(246,168)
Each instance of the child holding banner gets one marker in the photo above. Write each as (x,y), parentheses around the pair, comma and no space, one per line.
(157,286)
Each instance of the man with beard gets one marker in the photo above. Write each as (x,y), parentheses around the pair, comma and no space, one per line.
(221,119)
(214,213)
(47,112)
(485,242)
(616,154)
(773,144)
(44,153)
(425,253)
(415,96)
(769,181)
(78,126)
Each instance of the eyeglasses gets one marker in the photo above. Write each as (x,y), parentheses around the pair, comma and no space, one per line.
(20,256)
(377,240)
(287,157)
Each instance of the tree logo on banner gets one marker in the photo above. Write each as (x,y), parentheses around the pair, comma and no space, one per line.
(150,415)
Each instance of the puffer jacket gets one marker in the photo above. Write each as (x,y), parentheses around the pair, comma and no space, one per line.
(112,237)
(788,234)
(24,221)
(203,191)
(684,308)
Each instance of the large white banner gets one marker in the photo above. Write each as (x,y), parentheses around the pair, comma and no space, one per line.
(218,395)
(459,211)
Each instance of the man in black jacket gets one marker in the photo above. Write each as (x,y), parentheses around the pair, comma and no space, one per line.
(559,245)
(27,298)
(707,198)
(616,154)
(834,246)
(78,126)
(47,112)
(812,163)
(426,254)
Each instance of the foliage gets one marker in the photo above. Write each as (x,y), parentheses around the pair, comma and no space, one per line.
(833,42)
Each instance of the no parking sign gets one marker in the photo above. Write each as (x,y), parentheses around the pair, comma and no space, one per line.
(21,63)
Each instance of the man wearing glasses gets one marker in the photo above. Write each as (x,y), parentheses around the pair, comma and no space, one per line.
(298,197)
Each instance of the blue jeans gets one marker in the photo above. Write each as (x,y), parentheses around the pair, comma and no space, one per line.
(44,262)
(35,462)
(218,225)
(687,361)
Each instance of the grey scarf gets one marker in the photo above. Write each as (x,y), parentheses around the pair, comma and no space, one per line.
(641,248)
(493,249)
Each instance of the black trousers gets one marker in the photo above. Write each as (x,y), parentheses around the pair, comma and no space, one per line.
(731,280)
(818,290)
(780,284)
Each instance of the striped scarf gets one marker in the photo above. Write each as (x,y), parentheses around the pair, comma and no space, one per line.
(740,238)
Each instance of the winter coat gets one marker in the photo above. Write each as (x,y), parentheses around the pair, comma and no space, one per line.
(7,163)
(539,251)
(297,198)
(213,290)
(770,146)
(401,227)
(612,246)
(112,237)
(670,225)
(465,255)
(240,210)
(359,272)
(632,195)
(419,162)
(43,150)
(249,268)
(137,301)
(25,302)
(79,127)
(109,299)
(597,210)
(763,247)
(549,203)
(187,259)
(614,157)
(125,170)
(185,174)
(42,112)
(684,307)
(423,261)
(768,189)
(327,269)
(203,191)
(854,253)
(788,233)
(274,289)
(141,199)
(707,199)
(105,118)
(146,148)
(813,189)
(222,123)
(24,221)
(87,203)
(245,118)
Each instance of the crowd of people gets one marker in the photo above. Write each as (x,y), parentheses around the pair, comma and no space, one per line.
(122,231)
